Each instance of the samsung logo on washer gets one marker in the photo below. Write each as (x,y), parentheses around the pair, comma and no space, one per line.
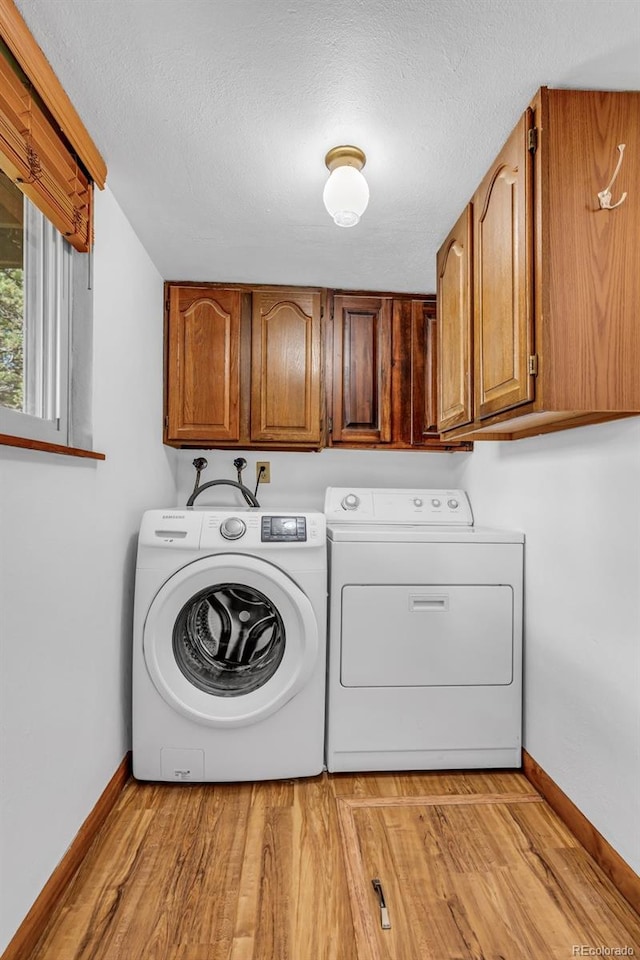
(173,516)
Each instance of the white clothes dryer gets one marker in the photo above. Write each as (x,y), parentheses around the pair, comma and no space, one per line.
(229,645)
(425,633)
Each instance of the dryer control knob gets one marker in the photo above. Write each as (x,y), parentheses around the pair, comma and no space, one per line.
(453,504)
(233,528)
(350,502)
(417,501)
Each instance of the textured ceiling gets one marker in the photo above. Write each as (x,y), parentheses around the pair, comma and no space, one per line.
(214,117)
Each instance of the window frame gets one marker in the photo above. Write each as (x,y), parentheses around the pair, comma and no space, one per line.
(53,141)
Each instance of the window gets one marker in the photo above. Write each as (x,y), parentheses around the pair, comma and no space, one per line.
(35,321)
(48,168)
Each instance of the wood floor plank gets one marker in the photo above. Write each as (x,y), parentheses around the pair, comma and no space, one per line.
(322,926)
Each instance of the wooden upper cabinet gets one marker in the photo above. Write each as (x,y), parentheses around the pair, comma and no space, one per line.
(202,366)
(454,271)
(286,366)
(556,284)
(250,367)
(503,289)
(361,370)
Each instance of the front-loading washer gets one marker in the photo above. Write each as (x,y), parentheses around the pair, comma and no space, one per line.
(425,633)
(229,645)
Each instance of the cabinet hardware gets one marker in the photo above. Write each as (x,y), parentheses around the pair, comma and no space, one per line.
(532,139)
(385,923)
(533,365)
(604,197)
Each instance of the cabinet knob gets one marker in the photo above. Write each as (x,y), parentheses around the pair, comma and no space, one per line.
(232,528)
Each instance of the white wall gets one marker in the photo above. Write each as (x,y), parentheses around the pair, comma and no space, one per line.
(576,495)
(300,479)
(67,545)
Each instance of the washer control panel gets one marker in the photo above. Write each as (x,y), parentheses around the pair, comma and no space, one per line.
(376,505)
(283,529)
(241,529)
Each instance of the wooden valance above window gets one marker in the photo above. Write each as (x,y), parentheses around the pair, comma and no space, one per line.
(44,147)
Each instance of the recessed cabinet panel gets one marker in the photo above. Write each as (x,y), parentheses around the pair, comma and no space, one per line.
(361,370)
(203,364)
(502,274)
(455,326)
(286,366)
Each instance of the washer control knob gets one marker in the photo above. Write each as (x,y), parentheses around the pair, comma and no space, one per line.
(436,503)
(417,502)
(233,528)
(453,504)
(350,502)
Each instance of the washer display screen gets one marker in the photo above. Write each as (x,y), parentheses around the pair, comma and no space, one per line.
(228,640)
(283,529)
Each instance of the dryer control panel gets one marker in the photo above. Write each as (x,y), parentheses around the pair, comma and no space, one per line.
(396,505)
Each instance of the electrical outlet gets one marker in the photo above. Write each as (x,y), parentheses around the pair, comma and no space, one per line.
(265,476)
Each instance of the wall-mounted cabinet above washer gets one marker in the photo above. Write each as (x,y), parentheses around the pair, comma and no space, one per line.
(295,368)
(382,351)
(243,367)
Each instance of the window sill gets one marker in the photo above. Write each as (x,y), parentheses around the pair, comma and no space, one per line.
(7,440)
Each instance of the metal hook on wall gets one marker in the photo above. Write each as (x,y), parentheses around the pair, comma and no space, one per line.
(605,195)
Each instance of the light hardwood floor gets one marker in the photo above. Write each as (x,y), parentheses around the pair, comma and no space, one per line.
(475,867)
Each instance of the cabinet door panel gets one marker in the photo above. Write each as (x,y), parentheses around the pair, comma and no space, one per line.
(361,370)
(423,372)
(503,279)
(203,373)
(455,326)
(286,366)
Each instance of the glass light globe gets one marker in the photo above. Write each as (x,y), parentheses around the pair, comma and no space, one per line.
(346,195)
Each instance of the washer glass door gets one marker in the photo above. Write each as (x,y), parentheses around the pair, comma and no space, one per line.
(229,639)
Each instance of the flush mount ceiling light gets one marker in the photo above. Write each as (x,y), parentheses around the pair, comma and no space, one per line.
(346,192)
